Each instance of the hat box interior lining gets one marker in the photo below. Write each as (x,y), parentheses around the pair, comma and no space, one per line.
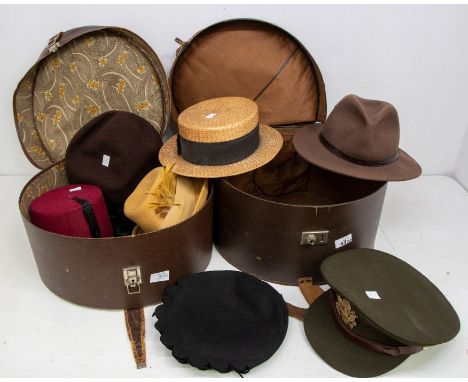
(217,62)
(289,179)
(52,110)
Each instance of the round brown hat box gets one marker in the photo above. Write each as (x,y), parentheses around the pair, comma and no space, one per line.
(280,221)
(82,73)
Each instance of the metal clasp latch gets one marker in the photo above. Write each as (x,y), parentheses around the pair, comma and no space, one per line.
(54,43)
(132,279)
(314,237)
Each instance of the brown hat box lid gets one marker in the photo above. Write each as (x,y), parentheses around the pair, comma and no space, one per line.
(83,73)
(253,59)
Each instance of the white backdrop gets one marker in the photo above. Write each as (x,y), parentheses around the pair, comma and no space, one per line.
(415,57)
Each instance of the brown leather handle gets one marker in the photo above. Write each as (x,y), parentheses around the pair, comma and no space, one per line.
(310,292)
(135,322)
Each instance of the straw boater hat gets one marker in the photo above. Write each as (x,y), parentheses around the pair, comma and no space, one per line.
(378,312)
(163,199)
(220,137)
(360,139)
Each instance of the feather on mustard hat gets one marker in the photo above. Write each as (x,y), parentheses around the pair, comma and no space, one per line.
(163,199)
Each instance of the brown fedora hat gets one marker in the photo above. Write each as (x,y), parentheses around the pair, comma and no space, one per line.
(360,138)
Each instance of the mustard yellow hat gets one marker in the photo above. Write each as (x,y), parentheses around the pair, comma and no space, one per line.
(163,199)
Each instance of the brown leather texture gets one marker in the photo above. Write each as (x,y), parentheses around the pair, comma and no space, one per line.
(114,70)
(295,311)
(253,59)
(260,216)
(135,322)
(310,291)
(90,271)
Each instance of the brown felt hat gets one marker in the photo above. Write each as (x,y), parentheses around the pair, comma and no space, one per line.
(360,138)
(378,312)
(114,151)
(220,137)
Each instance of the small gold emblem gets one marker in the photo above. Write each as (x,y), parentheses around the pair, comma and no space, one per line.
(347,315)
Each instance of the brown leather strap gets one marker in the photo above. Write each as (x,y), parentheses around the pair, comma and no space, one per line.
(295,311)
(135,322)
(63,38)
(310,291)
(368,344)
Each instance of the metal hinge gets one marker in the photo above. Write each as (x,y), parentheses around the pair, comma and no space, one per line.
(314,237)
(54,43)
(132,279)
(181,43)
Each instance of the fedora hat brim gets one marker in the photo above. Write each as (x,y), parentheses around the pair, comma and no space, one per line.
(337,350)
(308,145)
(271,142)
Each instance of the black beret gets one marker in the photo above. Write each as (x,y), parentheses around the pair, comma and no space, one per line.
(222,320)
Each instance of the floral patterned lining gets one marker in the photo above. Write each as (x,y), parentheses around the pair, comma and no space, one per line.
(92,74)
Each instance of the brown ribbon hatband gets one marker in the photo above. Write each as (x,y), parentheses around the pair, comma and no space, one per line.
(368,344)
(135,322)
(362,162)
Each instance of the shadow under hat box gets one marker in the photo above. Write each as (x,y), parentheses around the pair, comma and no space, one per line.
(82,73)
(280,221)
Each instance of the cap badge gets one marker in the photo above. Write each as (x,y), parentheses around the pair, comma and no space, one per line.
(347,315)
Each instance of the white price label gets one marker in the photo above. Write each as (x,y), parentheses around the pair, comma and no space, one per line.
(160,276)
(105,160)
(343,241)
(372,294)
